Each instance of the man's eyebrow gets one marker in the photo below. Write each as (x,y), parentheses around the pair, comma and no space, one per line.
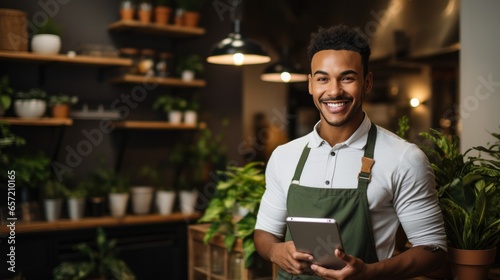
(346,72)
(320,72)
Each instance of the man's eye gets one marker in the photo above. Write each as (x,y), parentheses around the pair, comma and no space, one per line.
(321,79)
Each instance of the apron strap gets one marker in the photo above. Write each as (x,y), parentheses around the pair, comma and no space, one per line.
(367,160)
(300,165)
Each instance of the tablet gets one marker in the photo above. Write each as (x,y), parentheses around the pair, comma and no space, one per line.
(318,237)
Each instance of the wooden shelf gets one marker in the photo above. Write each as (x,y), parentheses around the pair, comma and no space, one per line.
(172,82)
(38,121)
(156,29)
(154,125)
(79,59)
(107,221)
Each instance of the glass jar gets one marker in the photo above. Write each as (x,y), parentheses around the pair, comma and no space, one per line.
(146,62)
(235,266)
(132,54)
(162,64)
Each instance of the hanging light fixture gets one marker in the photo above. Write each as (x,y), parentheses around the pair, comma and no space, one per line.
(236,50)
(284,71)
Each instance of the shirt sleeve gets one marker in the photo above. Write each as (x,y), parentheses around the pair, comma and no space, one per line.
(416,201)
(272,212)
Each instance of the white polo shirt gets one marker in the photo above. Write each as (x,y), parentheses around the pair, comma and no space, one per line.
(401,190)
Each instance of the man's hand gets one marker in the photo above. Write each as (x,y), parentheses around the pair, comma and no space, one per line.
(289,259)
(355,269)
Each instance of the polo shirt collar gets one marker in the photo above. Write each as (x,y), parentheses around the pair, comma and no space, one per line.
(357,139)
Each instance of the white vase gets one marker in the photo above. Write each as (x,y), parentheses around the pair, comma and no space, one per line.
(165,202)
(175,117)
(187,75)
(76,208)
(118,204)
(188,201)
(142,197)
(46,44)
(190,117)
(30,108)
(52,209)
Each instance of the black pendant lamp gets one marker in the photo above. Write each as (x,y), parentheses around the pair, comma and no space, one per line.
(236,50)
(284,71)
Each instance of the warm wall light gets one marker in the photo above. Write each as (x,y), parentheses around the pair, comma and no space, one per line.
(283,71)
(415,102)
(236,50)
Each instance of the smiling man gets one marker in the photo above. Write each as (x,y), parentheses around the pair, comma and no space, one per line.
(349,169)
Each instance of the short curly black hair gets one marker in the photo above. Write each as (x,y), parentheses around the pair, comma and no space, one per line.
(341,37)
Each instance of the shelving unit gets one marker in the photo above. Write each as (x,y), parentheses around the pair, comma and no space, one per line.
(38,121)
(171,82)
(79,59)
(212,261)
(153,125)
(155,29)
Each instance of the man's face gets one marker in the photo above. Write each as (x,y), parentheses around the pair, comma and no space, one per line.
(337,85)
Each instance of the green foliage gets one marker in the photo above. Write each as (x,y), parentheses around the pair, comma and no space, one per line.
(109,180)
(31,170)
(62,99)
(103,262)
(168,102)
(76,192)
(243,187)
(7,140)
(54,189)
(403,126)
(468,190)
(5,93)
(34,93)
(152,173)
(49,27)
(191,62)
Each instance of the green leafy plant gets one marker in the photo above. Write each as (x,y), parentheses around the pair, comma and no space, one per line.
(31,170)
(8,140)
(62,99)
(193,104)
(34,93)
(109,180)
(243,187)
(168,102)
(5,93)
(49,27)
(191,62)
(54,189)
(102,263)
(468,190)
(403,126)
(79,191)
(152,174)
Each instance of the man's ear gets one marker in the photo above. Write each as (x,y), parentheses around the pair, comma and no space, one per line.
(309,77)
(368,82)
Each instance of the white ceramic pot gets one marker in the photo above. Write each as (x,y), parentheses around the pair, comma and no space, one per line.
(188,201)
(142,197)
(187,75)
(76,208)
(118,204)
(175,117)
(46,44)
(190,117)
(165,202)
(30,108)
(53,209)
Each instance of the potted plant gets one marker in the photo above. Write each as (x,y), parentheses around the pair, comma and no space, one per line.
(191,111)
(191,11)
(469,195)
(144,11)
(188,66)
(127,10)
(162,12)
(103,262)
(47,39)
(171,105)
(53,193)
(60,105)
(96,196)
(165,193)
(116,186)
(241,187)
(75,198)
(5,95)
(31,103)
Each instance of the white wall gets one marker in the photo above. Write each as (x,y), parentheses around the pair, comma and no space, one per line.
(479,71)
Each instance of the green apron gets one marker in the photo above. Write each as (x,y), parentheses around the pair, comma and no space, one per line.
(348,206)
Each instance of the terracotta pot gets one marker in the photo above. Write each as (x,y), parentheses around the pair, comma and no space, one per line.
(144,16)
(60,111)
(471,264)
(191,19)
(127,14)
(162,15)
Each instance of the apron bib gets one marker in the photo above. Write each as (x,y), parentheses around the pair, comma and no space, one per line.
(348,206)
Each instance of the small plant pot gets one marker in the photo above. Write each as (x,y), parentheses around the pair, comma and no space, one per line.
(187,75)
(188,201)
(165,202)
(46,44)
(141,199)
(30,108)
(76,208)
(52,209)
(118,204)
(127,14)
(162,15)
(190,117)
(175,117)
(191,19)
(144,16)
(60,111)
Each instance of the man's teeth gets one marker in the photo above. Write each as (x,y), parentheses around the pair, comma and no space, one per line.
(335,105)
